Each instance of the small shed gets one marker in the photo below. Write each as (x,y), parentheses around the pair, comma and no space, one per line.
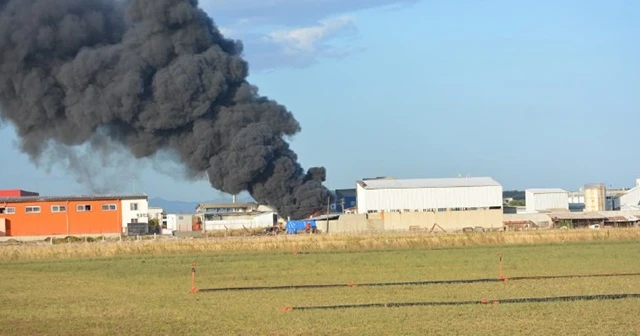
(526,221)
(577,219)
(621,218)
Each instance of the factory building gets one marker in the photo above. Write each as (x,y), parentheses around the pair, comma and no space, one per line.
(70,215)
(450,203)
(234,216)
(577,202)
(542,200)
(631,199)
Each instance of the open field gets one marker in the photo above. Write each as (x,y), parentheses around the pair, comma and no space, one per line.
(143,288)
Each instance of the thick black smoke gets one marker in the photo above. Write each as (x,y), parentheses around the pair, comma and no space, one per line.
(153,75)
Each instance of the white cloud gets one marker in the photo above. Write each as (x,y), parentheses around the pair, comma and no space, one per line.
(292,33)
(306,39)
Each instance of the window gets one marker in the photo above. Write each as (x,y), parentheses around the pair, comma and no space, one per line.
(83,207)
(134,220)
(8,210)
(133,207)
(109,207)
(58,208)
(32,209)
(180,217)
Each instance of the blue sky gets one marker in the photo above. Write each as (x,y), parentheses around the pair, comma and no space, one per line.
(532,93)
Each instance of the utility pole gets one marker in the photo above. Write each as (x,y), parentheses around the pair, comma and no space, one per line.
(328,210)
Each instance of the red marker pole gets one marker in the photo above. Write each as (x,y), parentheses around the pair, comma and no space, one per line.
(193,278)
(501,273)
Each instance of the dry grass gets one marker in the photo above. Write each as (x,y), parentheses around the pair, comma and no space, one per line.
(378,241)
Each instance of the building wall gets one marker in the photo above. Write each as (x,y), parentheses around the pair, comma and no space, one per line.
(576,198)
(179,222)
(134,210)
(241,222)
(448,220)
(156,213)
(392,221)
(548,200)
(541,220)
(352,223)
(169,222)
(184,222)
(630,200)
(424,199)
(68,222)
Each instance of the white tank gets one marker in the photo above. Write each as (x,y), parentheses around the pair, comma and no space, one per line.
(595,197)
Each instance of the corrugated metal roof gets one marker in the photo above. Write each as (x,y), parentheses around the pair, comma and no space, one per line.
(615,213)
(546,190)
(623,219)
(430,183)
(31,199)
(324,217)
(577,215)
(533,217)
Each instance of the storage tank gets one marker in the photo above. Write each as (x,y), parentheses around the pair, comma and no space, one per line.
(595,197)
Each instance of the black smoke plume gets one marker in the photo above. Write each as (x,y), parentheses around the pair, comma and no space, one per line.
(153,75)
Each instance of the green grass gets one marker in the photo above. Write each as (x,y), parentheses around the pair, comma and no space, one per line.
(149,294)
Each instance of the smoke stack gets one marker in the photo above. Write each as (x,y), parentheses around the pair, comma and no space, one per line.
(233,199)
(154,76)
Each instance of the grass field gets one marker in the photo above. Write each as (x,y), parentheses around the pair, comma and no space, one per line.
(145,290)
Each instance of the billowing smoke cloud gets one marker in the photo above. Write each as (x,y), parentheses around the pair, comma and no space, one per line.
(153,75)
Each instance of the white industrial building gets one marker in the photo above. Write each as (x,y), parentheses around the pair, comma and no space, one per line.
(546,199)
(428,195)
(631,199)
(448,204)
(234,216)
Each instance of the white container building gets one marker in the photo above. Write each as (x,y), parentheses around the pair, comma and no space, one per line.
(631,199)
(546,199)
(428,195)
